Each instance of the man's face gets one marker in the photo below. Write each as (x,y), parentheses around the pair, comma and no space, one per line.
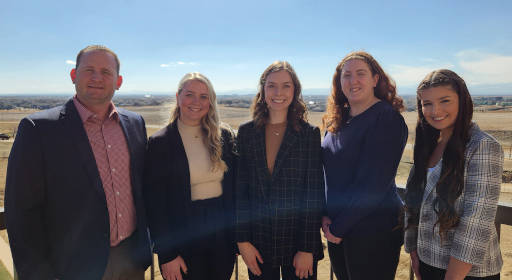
(96,78)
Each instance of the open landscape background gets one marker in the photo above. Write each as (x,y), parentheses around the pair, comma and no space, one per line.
(492,114)
(231,42)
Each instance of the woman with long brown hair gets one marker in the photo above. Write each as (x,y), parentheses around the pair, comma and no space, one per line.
(366,135)
(453,188)
(279,192)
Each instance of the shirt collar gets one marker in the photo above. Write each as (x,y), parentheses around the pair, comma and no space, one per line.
(86,114)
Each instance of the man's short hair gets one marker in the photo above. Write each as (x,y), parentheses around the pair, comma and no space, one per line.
(95,48)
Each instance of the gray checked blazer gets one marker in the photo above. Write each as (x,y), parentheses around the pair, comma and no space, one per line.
(474,240)
(280,214)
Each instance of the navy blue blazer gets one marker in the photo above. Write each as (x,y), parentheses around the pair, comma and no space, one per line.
(55,205)
(167,192)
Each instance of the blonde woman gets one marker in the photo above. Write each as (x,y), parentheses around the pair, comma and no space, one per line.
(189,187)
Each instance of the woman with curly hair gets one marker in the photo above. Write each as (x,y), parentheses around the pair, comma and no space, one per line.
(280,189)
(189,181)
(453,188)
(365,139)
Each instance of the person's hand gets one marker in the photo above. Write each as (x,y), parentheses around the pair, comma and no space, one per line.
(172,270)
(326,222)
(303,263)
(331,238)
(415,264)
(251,257)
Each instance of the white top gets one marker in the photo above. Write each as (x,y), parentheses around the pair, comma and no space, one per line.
(204,183)
(431,169)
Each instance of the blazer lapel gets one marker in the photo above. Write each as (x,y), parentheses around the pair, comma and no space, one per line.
(260,156)
(433,177)
(131,137)
(180,156)
(125,125)
(436,174)
(75,128)
(289,139)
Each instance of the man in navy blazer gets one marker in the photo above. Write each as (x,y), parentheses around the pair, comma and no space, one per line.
(73,201)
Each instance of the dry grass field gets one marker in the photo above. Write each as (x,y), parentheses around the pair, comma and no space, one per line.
(157,117)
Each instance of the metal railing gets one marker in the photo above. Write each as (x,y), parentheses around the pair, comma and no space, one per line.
(503,217)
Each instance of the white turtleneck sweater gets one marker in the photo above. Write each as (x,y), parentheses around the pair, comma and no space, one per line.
(204,183)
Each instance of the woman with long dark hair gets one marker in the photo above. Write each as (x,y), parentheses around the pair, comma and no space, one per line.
(280,192)
(189,181)
(453,188)
(366,135)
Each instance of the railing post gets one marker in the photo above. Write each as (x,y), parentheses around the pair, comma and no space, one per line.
(152,269)
(236,268)
(498,230)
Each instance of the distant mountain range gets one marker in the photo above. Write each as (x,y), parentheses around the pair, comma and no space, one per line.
(475,90)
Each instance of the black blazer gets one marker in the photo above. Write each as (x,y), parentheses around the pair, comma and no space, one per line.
(167,192)
(55,206)
(280,214)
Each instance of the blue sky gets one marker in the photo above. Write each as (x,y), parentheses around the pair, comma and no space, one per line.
(232,42)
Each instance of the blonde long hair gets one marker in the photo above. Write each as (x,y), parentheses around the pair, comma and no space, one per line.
(210,124)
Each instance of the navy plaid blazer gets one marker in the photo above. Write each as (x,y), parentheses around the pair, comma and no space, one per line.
(280,213)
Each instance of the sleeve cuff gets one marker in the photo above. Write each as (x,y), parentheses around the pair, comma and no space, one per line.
(165,258)
(473,256)
(242,236)
(335,231)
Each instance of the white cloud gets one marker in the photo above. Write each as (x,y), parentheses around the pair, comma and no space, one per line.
(70,62)
(178,63)
(475,67)
(485,68)
(405,75)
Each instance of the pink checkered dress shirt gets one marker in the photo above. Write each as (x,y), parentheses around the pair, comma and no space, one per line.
(112,157)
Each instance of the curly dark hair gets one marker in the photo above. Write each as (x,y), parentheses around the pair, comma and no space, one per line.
(451,182)
(297,113)
(337,104)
